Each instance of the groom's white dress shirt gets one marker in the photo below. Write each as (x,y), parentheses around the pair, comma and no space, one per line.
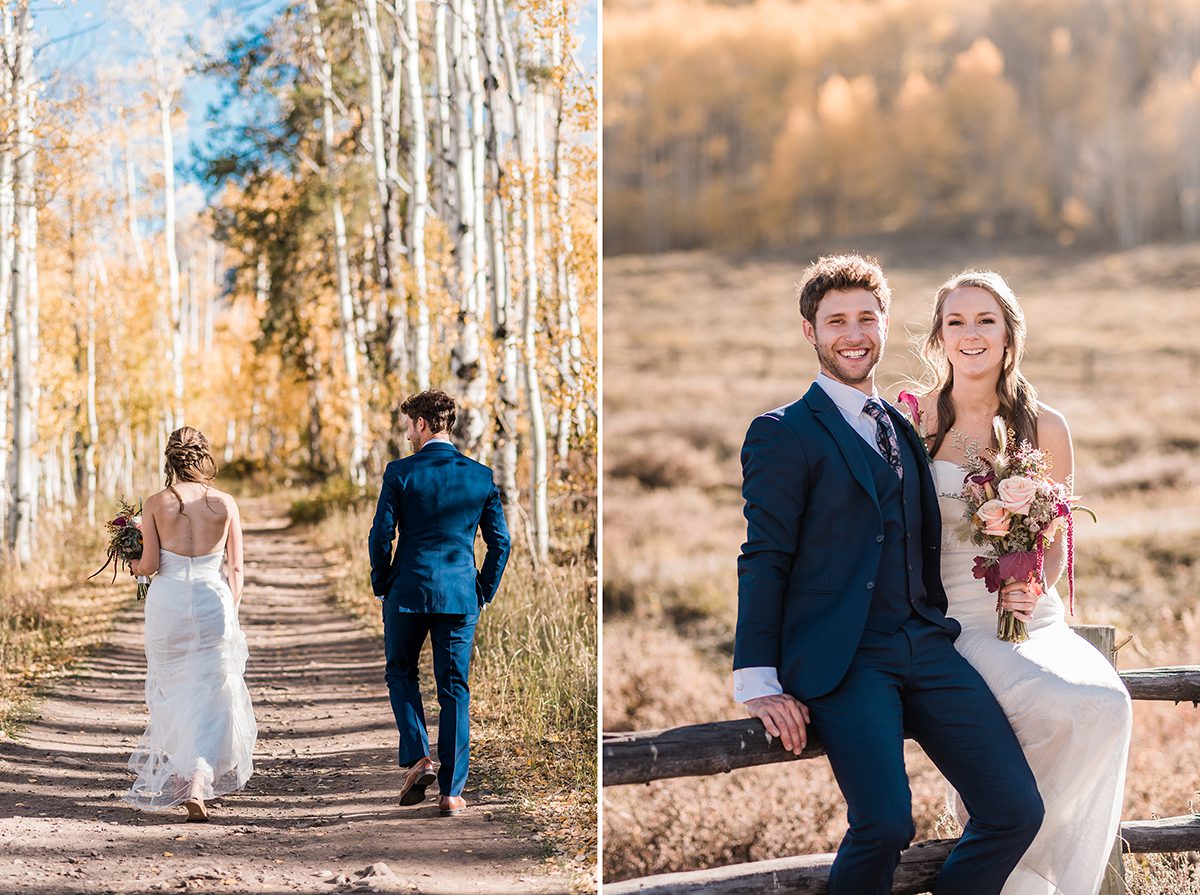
(751,683)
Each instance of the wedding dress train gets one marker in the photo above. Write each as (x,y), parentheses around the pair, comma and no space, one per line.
(200,738)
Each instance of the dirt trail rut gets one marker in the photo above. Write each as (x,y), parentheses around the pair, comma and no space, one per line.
(322,806)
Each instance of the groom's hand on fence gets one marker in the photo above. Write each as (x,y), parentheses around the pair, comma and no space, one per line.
(784,717)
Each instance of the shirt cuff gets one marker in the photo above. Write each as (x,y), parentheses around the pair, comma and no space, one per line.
(751,683)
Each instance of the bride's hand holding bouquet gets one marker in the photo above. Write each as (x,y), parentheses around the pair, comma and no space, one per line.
(1015,511)
(125,545)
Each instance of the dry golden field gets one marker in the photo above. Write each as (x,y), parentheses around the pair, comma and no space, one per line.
(696,344)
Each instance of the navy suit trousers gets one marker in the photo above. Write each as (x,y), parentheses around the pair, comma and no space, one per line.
(451,637)
(914,679)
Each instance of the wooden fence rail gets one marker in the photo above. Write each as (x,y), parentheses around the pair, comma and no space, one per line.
(919,866)
(720,747)
(704,749)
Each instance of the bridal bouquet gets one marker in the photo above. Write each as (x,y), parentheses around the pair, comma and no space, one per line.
(125,544)
(1015,510)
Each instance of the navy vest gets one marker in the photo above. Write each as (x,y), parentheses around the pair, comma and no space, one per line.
(899,583)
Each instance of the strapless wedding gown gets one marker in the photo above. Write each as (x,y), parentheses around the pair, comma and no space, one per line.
(201,720)
(1068,707)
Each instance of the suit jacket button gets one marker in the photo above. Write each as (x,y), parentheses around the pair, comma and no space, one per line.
(870,585)
(878,539)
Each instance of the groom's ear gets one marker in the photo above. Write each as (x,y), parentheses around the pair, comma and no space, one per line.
(810,332)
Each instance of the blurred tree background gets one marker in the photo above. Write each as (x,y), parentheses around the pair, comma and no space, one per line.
(767,123)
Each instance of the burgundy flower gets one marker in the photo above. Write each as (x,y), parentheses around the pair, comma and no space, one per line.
(119,522)
(1019,566)
(989,573)
(983,478)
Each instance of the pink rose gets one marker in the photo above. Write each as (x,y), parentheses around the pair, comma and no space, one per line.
(994,518)
(1017,493)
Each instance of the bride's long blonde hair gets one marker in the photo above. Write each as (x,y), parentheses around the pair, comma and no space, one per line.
(1018,397)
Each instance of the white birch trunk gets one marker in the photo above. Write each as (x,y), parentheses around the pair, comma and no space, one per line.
(93,420)
(30,223)
(358,439)
(68,496)
(537,419)
(165,95)
(467,361)
(387,184)
(7,243)
(441,130)
(570,331)
(504,329)
(231,428)
(419,206)
(24,326)
(212,289)
(131,219)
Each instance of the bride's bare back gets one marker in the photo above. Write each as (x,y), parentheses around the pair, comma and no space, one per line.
(199,527)
(207,523)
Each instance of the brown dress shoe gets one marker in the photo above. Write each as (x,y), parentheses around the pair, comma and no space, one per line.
(448,806)
(416,778)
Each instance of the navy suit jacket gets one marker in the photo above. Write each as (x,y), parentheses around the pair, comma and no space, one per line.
(814,538)
(436,498)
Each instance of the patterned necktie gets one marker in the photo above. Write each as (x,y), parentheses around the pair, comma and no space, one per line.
(885,435)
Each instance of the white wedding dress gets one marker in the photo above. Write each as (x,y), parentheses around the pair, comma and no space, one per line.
(201,720)
(1068,707)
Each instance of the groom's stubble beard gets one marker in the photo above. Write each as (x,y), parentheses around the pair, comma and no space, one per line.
(833,364)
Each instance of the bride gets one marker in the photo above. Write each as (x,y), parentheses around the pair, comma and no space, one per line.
(199,742)
(1064,700)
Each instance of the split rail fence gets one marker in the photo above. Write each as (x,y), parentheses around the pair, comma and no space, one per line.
(718,748)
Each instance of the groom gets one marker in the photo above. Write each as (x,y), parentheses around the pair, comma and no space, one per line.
(437,498)
(841,611)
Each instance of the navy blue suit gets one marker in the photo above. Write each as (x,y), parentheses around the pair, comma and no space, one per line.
(436,499)
(839,588)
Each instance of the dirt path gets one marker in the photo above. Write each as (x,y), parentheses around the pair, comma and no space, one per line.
(322,806)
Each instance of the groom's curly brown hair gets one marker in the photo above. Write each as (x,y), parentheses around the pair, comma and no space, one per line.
(433,406)
(837,272)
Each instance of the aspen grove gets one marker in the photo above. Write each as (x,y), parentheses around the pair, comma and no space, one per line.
(389,196)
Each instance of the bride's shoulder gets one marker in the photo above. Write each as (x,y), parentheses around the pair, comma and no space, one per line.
(1053,433)
(224,497)
(1051,423)
(154,499)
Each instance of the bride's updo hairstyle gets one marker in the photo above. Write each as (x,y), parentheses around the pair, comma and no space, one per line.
(1018,398)
(188,459)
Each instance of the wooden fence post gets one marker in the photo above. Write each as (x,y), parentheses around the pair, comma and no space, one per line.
(1104,638)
